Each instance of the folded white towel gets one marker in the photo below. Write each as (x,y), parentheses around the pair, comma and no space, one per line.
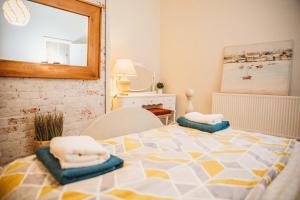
(78,151)
(80,159)
(202,118)
(76,145)
(66,165)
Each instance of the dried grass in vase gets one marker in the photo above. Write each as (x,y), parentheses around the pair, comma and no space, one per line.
(48,126)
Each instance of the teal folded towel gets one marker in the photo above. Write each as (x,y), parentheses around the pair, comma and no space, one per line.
(182,121)
(64,176)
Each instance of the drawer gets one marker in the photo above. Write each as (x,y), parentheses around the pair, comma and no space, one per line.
(167,101)
(128,102)
(152,101)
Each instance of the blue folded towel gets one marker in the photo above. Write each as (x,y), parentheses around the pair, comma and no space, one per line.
(64,176)
(182,121)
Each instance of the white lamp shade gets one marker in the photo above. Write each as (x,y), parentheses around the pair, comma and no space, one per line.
(16,12)
(124,67)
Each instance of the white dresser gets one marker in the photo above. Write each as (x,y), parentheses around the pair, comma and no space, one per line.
(167,101)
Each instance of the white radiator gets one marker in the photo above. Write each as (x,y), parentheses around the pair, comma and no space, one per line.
(274,115)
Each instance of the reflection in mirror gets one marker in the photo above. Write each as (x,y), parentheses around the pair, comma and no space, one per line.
(52,36)
(143,81)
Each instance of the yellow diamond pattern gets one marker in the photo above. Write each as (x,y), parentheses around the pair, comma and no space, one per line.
(48,188)
(156,173)
(212,167)
(234,182)
(15,166)
(131,195)
(131,144)
(195,154)
(74,195)
(9,183)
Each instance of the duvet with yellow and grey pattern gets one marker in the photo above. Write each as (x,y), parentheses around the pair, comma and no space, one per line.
(171,162)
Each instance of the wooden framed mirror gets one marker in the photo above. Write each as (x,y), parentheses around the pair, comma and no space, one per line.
(61,40)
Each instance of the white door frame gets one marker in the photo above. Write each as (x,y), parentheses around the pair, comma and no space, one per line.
(107,59)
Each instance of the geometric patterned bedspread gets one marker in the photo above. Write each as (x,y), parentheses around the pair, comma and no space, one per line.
(171,162)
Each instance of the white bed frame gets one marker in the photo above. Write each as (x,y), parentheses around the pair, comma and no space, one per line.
(122,122)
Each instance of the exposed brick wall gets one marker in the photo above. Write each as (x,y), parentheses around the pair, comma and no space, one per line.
(81,101)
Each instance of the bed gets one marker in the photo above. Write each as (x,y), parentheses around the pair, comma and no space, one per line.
(173,162)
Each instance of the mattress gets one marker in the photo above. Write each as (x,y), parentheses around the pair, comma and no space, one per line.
(171,162)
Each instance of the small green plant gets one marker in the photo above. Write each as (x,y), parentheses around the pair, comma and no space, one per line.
(160,85)
(48,126)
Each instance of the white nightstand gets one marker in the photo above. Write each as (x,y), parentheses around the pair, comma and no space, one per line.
(167,101)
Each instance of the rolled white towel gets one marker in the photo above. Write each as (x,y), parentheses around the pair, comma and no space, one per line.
(78,149)
(202,118)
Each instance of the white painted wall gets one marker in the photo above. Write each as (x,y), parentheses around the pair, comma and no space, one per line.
(134,28)
(194,33)
(26,43)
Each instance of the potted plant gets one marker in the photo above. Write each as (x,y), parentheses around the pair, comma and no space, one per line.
(47,126)
(160,87)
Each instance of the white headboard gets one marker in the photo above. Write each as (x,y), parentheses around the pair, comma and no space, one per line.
(121,122)
(274,115)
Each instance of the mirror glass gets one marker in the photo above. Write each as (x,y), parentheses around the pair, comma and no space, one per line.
(142,81)
(52,36)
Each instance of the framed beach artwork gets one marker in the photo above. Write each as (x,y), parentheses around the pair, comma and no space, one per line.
(263,68)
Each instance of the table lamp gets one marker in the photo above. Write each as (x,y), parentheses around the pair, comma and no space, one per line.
(122,69)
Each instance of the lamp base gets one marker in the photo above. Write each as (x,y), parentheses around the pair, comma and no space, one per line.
(123,86)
